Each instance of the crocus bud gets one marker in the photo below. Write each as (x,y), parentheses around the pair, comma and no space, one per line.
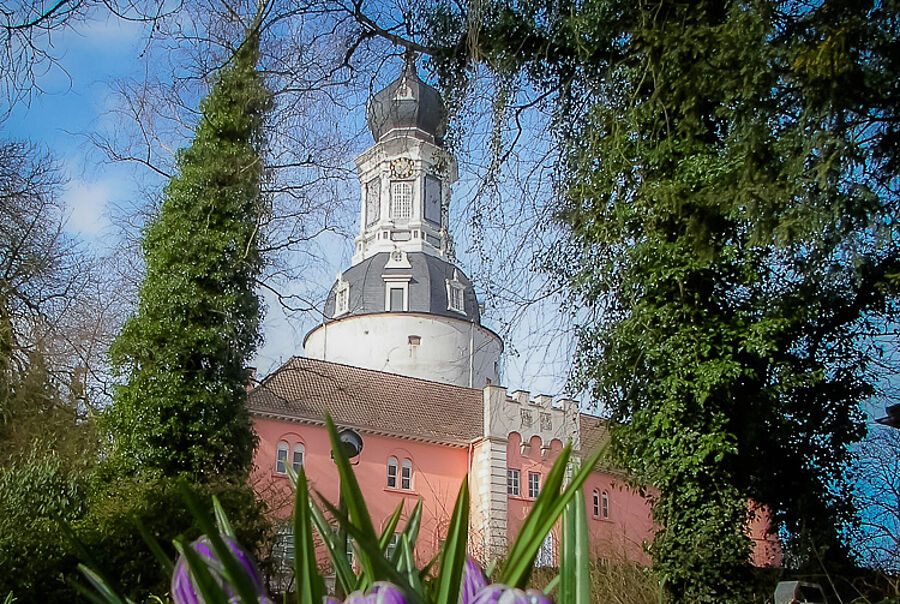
(501,594)
(183,587)
(473,581)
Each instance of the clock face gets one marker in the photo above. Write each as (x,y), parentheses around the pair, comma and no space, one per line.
(402,167)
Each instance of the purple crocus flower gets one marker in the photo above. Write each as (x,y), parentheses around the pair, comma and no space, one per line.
(381,592)
(501,594)
(473,581)
(183,587)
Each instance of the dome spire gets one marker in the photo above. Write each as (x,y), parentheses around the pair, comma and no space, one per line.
(407,107)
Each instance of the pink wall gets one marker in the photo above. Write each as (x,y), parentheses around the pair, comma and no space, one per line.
(620,536)
(438,472)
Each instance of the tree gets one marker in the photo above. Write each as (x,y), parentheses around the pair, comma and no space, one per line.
(183,355)
(732,196)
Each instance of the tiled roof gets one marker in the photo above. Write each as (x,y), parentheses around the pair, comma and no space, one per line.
(304,389)
(594,434)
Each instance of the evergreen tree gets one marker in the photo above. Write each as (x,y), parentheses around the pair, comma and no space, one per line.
(732,198)
(182,357)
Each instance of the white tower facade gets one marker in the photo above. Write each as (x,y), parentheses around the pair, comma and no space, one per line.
(403,306)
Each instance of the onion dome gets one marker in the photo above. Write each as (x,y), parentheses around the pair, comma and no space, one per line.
(407,105)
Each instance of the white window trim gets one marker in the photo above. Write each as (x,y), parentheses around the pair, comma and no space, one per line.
(406,466)
(393,463)
(513,487)
(392,210)
(390,284)
(342,288)
(531,492)
(604,505)
(298,448)
(285,448)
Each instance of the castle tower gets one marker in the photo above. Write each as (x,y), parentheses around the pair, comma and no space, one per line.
(403,306)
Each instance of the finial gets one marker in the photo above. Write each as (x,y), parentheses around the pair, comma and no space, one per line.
(409,60)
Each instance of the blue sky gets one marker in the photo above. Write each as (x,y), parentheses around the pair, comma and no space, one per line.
(75,99)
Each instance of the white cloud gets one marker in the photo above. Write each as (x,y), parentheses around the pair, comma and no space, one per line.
(87,204)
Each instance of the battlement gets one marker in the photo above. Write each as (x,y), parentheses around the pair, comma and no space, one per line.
(516,411)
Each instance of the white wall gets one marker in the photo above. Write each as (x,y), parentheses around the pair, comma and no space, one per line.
(449,350)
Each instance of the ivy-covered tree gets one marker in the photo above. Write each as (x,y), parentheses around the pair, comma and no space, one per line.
(182,357)
(732,198)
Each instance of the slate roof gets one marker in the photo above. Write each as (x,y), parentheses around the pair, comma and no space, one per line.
(407,103)
(427,287)
(372,401)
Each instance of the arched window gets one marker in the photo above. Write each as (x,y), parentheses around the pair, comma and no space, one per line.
(406,475)
(596,503)
(604,508)
(392,472)
(297,460)
(281,458)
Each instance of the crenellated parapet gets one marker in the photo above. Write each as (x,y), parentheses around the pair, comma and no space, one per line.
(505,413)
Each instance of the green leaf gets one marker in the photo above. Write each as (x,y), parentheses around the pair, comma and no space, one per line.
(574,567)
(232,569)
(336,552)
(310,585)
(165,562)
(222,519)
(390,526)
(107,594)
(453,558)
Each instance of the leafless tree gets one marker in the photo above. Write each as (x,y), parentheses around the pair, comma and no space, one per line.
(877,540)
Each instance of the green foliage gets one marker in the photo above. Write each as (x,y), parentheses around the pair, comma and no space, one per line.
(35,491)
(732,205)
(183,355)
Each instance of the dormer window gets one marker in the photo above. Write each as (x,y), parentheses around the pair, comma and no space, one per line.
(342,298)
(401,201)
(456,294)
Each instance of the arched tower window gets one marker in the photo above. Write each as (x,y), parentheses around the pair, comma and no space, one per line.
(596,503)
(392,472)
(604,506)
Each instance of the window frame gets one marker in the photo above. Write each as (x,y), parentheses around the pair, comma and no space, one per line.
(534,485)
(281,460)
(596,503)
(392,463)
(406,475)
(397,200)
(342,298)
(301,449)
(513,482)
(604,505)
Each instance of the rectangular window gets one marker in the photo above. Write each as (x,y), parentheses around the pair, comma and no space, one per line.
(534,484)
(406,475)
(392,546)
(433,200)
(401,201)
(396,299)
(513,478)
(342,299)
(456,294)
(392,475)
(281,459)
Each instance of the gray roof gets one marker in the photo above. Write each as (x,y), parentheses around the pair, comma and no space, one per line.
(407,103)
(427,287)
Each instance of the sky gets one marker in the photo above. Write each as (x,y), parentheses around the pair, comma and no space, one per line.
(77,99)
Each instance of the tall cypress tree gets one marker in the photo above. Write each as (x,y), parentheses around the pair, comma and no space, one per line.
(182,356)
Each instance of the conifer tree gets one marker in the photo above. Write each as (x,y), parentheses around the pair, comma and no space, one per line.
(182,357)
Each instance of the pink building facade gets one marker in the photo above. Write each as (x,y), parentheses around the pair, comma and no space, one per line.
(505,444)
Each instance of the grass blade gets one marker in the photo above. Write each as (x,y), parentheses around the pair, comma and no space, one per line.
(310,585)
(547,509)
(165,561)
(454,556)
(106,593)
(221,519)
(342,570)
(389,527)
(574,568)
(233,570)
